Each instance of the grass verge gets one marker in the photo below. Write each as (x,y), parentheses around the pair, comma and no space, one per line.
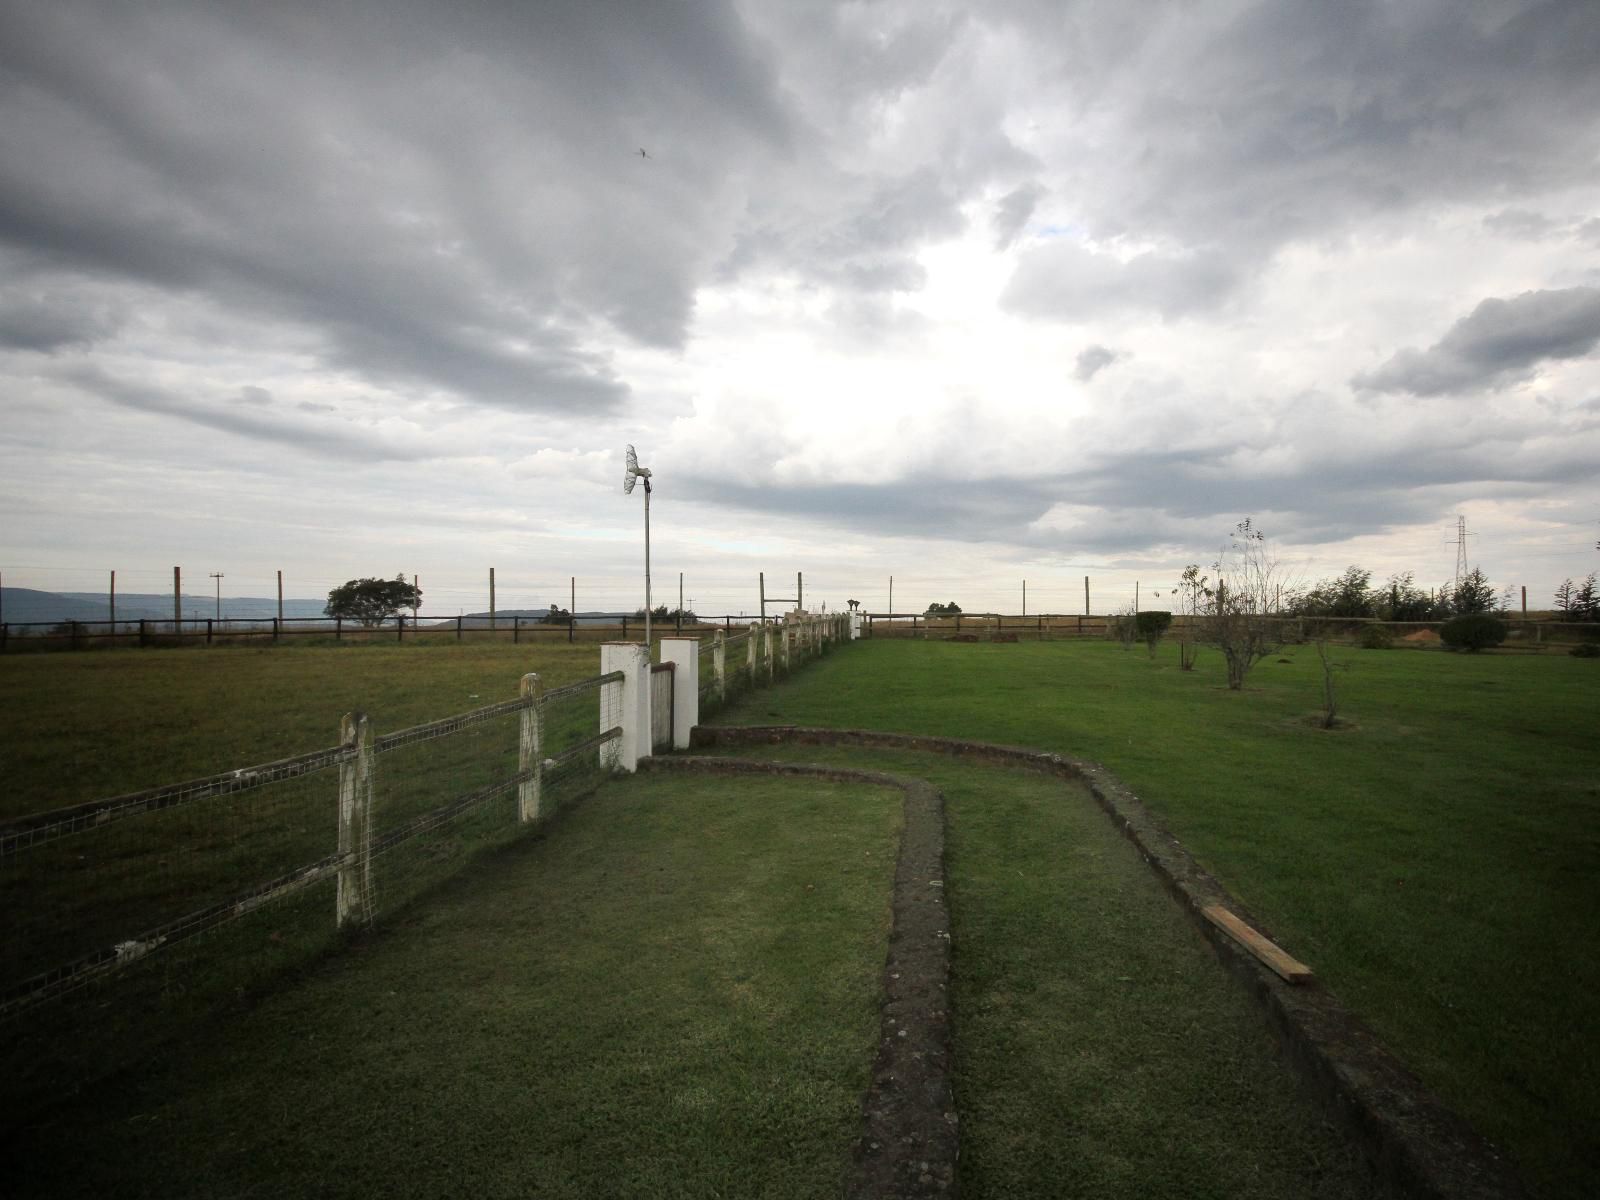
(673,995)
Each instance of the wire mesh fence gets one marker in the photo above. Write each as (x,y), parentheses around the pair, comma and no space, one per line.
(92,889)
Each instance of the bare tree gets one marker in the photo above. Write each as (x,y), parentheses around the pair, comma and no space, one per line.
(1194,602)
(1240,622)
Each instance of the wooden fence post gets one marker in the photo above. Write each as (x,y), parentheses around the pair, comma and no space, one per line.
(529,749)
(354,901)
(719,664)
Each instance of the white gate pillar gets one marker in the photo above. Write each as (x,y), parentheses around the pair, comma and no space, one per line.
(684,655)
(630,697)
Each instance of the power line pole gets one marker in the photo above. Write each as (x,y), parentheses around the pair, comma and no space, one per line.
(217,575)
(1461,549)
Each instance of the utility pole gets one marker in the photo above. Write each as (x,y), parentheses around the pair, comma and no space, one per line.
(415,592)
(280,597)
(491,597)
(680,598)
(799,590)
(1461,549)
(1086,595)
(217,575)
(1024,597)
(177,600)
(114,602)
(891,595)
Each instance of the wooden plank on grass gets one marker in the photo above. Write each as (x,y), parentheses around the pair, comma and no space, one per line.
(1290,969)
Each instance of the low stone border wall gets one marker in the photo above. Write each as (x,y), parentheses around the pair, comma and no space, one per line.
(910,1134)
(1413,1141)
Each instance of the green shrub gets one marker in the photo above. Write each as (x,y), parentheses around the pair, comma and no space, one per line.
(1473,631)
(1586,650)
(1377,637)
(1151,624)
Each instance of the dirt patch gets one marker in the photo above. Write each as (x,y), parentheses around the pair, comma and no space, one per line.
(1422,637)
(910,1133)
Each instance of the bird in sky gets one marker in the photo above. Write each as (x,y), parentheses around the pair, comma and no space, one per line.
(642,154)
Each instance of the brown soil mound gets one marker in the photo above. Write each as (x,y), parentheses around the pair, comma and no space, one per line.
(1422,636)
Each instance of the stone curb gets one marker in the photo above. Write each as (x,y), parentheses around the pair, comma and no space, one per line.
(1414,1143)
(910,1136)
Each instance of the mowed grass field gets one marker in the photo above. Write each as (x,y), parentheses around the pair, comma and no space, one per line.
(87,725)
(1434,860)
(674,993)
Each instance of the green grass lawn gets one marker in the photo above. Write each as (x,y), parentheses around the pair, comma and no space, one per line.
(675,993)
(1434,860)
(1099,1050)
(87,725)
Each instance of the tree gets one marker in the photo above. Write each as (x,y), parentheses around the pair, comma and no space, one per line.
(371,601)
(1474,594)
(1240,620)
(662,613)
(1564,599)
(943,610)
(1585,602)
(1194,600)
(1403,600)
(556,616)
(1348,595)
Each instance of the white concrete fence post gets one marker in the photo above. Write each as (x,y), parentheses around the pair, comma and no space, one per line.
(353,902)
(529,749)
(750,651)
(784,634)
(719,664)
(855,625)
(630,697)
(684,655)
(766,645)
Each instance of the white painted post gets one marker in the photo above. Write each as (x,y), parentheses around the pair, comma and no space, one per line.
(750,651)
(353,902)
(766,645)
(684,655)
(855,626)
(528,750)
(784,634)
(719,664)
(632,698)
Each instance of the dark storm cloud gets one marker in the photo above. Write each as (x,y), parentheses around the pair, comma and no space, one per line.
(1276,122)
(448,198)
(328,439)
(1092,360)
(32,319)
(1498,343)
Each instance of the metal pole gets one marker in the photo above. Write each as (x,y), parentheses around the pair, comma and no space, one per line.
(572,607)
(491,597)
(1024,597)
(1086,595)
(647,567)
(799,591)
(763,597)
(280,595)
(114,603)
(177,600)
(891,595)
(217,575)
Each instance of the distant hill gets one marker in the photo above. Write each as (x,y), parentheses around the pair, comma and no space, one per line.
(27,605)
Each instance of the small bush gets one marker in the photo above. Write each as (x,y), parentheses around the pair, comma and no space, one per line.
(1473,631)
(1151,625)
(1377,637)
(1586,650)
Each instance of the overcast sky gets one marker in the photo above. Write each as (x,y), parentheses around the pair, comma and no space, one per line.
(965,294)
